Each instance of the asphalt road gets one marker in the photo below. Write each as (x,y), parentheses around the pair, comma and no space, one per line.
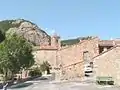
(48,85)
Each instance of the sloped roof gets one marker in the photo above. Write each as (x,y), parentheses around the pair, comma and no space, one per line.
(109,42)
(106,51)
(44,48)
(106,43)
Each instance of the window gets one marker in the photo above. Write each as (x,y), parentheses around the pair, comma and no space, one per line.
(85,55)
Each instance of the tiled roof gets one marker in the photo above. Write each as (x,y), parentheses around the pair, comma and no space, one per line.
(109,42)
(48,48)
(117,42)
(105,51)
(45,48)
(106,43)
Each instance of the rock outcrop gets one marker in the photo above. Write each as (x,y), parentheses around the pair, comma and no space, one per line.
(28,30)
(32,33)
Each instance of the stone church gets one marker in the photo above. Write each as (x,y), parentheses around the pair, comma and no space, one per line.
(68,62)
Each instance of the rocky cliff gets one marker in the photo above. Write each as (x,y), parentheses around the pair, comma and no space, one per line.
(27,29)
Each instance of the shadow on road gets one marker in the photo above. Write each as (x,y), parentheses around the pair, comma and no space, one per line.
(21,85)
(40,78)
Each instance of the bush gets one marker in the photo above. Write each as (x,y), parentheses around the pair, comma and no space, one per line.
(45,66)
(35,72)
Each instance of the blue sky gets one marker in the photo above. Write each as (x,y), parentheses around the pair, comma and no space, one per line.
(69,18)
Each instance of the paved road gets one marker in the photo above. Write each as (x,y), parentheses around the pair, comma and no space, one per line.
(47,85)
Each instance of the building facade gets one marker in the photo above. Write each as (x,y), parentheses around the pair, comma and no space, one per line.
(108,64)
(69,62)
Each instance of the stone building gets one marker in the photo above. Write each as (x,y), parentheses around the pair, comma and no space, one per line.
(107,64)
(68,61)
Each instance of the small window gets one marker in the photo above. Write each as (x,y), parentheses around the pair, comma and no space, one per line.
(56,40)
(91,64)
(85,55)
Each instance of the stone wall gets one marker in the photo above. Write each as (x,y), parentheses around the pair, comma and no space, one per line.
(69,58)
(45,55)
(108,64)
(74,53)
(71,72)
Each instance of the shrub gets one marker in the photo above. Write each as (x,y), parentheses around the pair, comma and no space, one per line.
(45,66)
(35,72)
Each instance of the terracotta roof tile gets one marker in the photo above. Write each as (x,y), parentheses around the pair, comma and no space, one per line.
(106,43)
(48,48)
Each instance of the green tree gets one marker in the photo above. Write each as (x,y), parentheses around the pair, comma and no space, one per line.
(15,55)
(45,66)
(10,32)
(2,36)
(35,72)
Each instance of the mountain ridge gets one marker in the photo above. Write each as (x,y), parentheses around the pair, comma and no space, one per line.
(29,30)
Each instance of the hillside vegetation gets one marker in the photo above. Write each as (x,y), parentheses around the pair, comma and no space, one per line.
(74,41)
(69,42)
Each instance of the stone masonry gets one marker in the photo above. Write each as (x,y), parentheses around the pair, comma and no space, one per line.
(68,62)
(108,64)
